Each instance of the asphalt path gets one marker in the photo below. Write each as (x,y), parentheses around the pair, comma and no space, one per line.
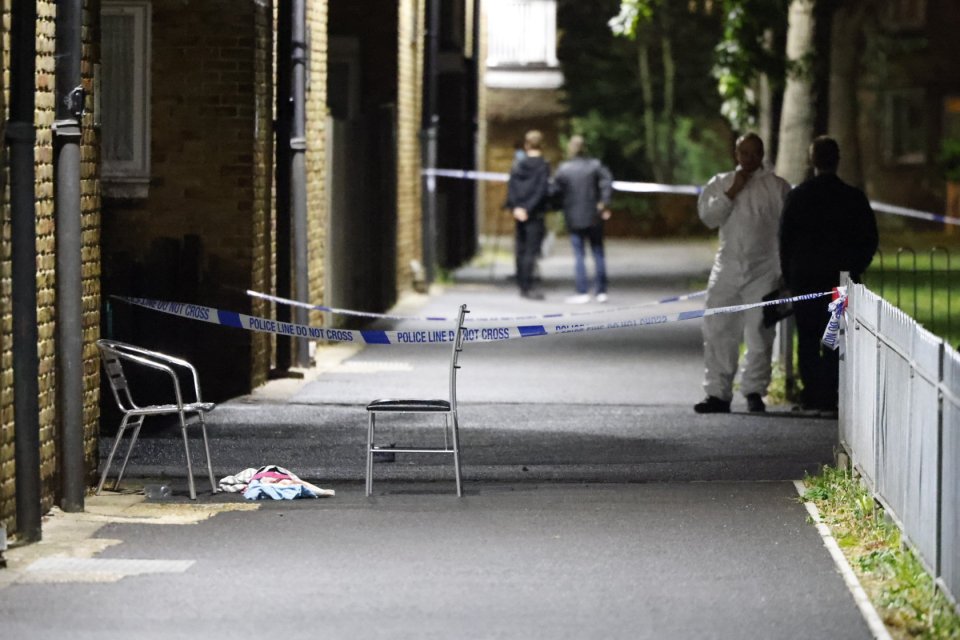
(597,504)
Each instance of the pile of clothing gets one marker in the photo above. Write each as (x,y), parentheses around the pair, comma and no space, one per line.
(273,482)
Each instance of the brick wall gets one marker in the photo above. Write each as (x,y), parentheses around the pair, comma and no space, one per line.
(262,344)
(90,245)
(46,269)
(409,105)
(210,179)
(317,213)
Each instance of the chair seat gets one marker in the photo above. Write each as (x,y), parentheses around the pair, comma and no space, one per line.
(409,405)
(172,408)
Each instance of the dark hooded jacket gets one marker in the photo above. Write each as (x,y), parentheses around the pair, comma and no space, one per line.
(529,185)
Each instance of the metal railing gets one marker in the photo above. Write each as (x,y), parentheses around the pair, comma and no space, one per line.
(521,32)
(900,424)
(920,288)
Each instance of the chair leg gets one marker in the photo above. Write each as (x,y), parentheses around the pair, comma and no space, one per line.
(126,458)
(186,450)
(370,427)
(206,448)
(113,451)
(456,452)
(446,428)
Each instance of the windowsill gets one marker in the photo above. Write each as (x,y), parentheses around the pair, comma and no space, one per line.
(125,188)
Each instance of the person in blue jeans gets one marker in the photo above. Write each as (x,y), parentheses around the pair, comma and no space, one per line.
(583,186)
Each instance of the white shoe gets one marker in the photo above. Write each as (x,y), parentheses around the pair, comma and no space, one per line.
(601,297)
(580,298)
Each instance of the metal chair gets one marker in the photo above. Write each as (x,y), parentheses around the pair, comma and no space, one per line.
(114,355)
(446,408)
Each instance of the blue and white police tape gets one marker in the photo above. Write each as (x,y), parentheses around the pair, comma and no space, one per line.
(831,335)
(545,316)
(429,335)
(689,189)
(618,185)
(912,213)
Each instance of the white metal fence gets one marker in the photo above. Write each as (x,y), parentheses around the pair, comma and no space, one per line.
(900,424)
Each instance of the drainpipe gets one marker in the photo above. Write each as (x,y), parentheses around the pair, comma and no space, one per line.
(21,137)
(283,179)
(428,139)
(298,170)
(69,111)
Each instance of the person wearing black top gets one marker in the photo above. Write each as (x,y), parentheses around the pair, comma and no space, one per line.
(527,199)
(827,226)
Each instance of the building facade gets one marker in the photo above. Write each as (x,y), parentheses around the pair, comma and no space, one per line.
(190,180)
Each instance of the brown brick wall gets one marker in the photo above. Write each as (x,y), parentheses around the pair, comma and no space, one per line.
(409,105)
(90,245)
(46,269)
(46,248)
(317,213)
(210,176)
(262,235)
(7,464)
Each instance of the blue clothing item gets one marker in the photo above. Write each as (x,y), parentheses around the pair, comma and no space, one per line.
(257,490)
(578,238)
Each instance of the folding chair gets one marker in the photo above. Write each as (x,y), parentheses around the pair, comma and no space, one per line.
(446,408)
(114,356)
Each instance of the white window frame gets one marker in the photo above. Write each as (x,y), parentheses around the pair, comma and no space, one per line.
(130,178)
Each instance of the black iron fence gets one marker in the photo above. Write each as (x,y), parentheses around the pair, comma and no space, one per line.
(920,283)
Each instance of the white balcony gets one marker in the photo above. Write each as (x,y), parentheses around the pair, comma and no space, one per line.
(522,44)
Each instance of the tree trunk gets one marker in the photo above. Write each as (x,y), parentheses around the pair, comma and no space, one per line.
(766,122)
(649,115)
(669,91)
(796,119)
(846,44)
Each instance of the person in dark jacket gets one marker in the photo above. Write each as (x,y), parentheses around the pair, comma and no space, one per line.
(528,201)
(827,226)
(583,187)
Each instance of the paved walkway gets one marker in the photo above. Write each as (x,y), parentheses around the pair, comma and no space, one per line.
(597,504)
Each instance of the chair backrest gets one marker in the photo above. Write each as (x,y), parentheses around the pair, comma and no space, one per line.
(455,355)
(113,365)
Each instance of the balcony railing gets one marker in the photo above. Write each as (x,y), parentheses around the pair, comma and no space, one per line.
(521,33)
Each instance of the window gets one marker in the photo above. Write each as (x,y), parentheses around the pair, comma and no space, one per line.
(343,78)
(906,15)
(125,97)
(906,126)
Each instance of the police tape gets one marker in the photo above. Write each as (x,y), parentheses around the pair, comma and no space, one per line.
(688,189)
(432,335)
(618,185)
(912,213)
(831,335)
(545,316)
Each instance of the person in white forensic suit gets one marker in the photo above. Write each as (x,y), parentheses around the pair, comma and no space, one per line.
(745,204)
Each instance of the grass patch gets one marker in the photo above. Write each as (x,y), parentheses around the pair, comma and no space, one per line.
(891,573)
(919,272)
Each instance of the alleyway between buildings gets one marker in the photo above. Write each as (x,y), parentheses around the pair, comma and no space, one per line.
(596,503)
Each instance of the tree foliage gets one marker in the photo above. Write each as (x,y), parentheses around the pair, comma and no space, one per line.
(605,93)
(752,45)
